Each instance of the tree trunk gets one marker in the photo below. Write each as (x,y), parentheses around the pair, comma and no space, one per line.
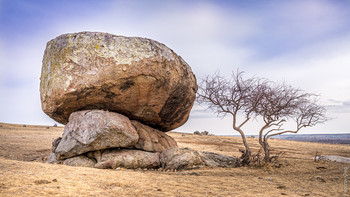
(247,155)
(266,151)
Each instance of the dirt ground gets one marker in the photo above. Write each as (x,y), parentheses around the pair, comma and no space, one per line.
(24,173)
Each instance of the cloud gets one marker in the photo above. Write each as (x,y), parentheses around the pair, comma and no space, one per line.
(305,43)
(338,106)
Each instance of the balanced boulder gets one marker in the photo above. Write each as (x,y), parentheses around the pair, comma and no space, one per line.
(137,77)
(92,130)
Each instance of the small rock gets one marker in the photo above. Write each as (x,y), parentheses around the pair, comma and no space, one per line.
(42,181)
(52,158)
(80,160)
(320,179)
(281,187)
(194,173)
(54,180)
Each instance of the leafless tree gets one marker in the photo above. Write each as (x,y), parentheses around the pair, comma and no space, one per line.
(235,96)
(252,97)
(282,103)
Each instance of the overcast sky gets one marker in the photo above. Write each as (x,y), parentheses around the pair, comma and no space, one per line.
(303,42)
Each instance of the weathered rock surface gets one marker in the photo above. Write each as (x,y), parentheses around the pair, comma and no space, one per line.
(216,160)
(52,158)
(184,158)
(81,161)
(55,144)
(91,130)
(138,77)
(113,158)
(151,139)
(180,158)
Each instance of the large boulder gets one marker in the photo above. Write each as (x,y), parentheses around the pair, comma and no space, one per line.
(114,158)
(152,140)
(91,130)
(138,77)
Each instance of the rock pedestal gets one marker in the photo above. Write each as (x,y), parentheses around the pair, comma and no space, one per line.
(117,96)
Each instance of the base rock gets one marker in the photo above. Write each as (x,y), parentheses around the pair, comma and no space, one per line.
(184,158)
(114,158)
(92,130)
(151,139)
(80,160)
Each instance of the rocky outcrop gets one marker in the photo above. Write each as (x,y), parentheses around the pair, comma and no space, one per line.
(95,83)
(92,130)
(180,158)
(184,158)
(217,160)
(114,158)
(151,139)
(137,77)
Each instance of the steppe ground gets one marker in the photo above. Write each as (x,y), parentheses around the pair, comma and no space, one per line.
(24,173)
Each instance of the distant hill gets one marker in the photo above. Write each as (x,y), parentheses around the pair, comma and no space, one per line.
(320,138)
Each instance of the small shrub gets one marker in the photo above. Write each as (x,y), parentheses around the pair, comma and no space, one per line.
(197,133)
(55,125)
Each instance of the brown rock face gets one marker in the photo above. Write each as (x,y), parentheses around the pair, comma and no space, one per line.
(151,139)
(138,77)
(92,130)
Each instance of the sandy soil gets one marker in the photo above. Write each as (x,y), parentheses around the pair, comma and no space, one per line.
(23,173)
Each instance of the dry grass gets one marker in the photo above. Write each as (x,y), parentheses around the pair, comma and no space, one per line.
(22,172)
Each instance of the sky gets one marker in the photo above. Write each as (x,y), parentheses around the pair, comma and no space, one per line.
(305,43)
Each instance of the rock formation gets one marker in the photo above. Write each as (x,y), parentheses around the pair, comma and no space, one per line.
(92,130)
(118,96)
(137,77)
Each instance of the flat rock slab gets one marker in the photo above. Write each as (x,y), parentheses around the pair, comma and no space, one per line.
(81,161)
(138,77)
(334,158)
(151,139)
(133,159)
(91,130)
(184,158)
